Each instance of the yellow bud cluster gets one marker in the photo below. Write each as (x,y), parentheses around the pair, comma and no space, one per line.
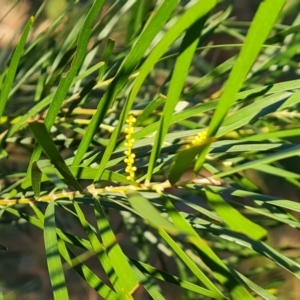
(198,140)
(129,160)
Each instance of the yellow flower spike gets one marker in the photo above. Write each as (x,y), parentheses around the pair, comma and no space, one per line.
(199,139)
(130,157)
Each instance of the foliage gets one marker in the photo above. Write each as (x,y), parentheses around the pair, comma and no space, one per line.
(145,122)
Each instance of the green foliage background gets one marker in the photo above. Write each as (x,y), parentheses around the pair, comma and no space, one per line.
(206,134)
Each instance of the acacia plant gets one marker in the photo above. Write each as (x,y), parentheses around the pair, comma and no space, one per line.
(124,107)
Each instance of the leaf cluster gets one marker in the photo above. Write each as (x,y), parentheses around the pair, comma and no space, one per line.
(133,87)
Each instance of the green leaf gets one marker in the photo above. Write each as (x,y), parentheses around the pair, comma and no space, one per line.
(75,261)
(277,172)
(257,246)
(181,224)
(268,206)
(220,270)
(44,139)
(205,80)
(146,210)
(129,64)
(187,260)
(12,69)
(150,287)
(183,160)
(237,290)
(233,218)
(285,153)
(252,112)
(117,257)
(148,110)
(56,272)
(106,57)
(68,77)
(179,74)
(205,107)
(149,212)
(85,173)
(166,277)
(188,18)
(38,222)
(136,20)
(256,288)
(36,176)
(86,273)
(102,255)
(259,30)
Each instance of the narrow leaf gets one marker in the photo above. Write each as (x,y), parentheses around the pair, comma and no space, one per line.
(102,255)
(44,139)
(180,72)
(234,219)
(183,160)
(36,176)
(166,277)
(149,212)
(86,273)
(259,30)
(67,79)
(12,69)
(189,17)
(117,257)
(131,61)
(54,263)
(220,270)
